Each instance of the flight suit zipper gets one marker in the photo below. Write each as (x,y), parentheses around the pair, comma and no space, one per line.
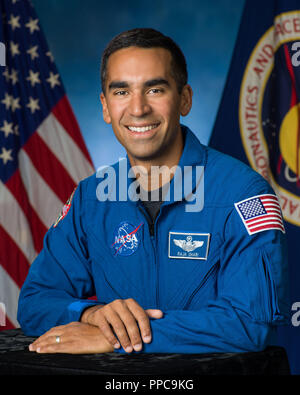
(202,283)
(152,231)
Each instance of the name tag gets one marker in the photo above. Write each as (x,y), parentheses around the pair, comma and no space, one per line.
(188,245)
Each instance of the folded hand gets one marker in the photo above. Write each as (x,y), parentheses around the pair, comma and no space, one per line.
(73,338)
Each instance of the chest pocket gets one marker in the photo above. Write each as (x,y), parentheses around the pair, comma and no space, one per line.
(120,272)
(201,279)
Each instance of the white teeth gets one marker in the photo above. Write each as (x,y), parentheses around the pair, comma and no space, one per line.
(141,129)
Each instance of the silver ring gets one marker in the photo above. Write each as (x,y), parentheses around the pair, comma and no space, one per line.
(57,339)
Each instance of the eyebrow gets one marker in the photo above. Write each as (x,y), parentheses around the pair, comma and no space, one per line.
(156,81)
(117,85)
(147,84)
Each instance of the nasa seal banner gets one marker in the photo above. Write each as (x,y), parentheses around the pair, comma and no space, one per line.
(258,122)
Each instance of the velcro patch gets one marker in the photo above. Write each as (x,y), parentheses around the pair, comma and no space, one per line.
(260,213)
(188,245)
(65,209)
(127,238)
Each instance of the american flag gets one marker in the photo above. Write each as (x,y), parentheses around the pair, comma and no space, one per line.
(42,153)
(260,213)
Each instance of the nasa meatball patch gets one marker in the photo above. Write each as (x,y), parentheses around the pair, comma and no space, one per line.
(126,238)
(188,245)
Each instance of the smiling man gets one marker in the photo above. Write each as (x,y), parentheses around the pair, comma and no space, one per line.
(166,279)
(143,104)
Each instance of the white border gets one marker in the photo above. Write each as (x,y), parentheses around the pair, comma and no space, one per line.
(189,234)
(244,222)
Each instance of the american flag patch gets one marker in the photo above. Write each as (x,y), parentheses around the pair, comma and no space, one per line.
(260,213)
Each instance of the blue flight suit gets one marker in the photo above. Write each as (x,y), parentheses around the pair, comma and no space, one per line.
(220,288)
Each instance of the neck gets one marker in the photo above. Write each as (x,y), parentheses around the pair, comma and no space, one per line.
(154,173)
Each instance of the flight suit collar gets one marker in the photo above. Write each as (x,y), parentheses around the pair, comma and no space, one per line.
(190,170)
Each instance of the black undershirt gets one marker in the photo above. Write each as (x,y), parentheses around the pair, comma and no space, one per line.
(152,206)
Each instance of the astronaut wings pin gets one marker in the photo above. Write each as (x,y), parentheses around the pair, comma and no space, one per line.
(188,245)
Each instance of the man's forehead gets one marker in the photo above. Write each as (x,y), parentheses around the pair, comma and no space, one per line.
(139,63)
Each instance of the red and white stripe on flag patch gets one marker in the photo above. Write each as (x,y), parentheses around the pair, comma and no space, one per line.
(259,213)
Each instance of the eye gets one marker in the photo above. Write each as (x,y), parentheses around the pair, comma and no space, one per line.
(154,91)
(120,93)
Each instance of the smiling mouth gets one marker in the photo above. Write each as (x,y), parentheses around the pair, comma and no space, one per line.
(142,129)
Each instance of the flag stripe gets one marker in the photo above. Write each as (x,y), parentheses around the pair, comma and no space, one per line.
(249,221)
(270,199)
(8,325)
(5,323)
(70,124)
(258,220)
(12,259)
(265,227)
(272,208)
(37,228)
(268,222)
(41,196)
(15,223)
(63,146)
(9,295)
(58,179)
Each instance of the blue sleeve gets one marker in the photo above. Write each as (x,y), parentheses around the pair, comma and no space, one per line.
(252,299)
(59,282)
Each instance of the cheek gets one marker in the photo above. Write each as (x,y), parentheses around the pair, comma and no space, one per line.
(115,111)
(168,108)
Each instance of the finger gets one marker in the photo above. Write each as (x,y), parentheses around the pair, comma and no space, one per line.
(131,316)
(80,343)
(100,317)
(47,348)
(39,339)
(55,331)
(41,342)
(154,313)
(142,319)
(119,322)
(104,325)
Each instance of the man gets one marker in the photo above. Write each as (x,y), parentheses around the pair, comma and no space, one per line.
(169,276)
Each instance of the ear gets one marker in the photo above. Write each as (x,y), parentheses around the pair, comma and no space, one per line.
(105,111)
(186,100)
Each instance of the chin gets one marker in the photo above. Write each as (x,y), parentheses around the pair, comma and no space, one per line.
(143,157)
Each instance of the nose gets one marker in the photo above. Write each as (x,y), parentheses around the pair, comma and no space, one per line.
(139,106)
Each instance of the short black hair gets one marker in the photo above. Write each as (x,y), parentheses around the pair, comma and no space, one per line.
(147,38)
